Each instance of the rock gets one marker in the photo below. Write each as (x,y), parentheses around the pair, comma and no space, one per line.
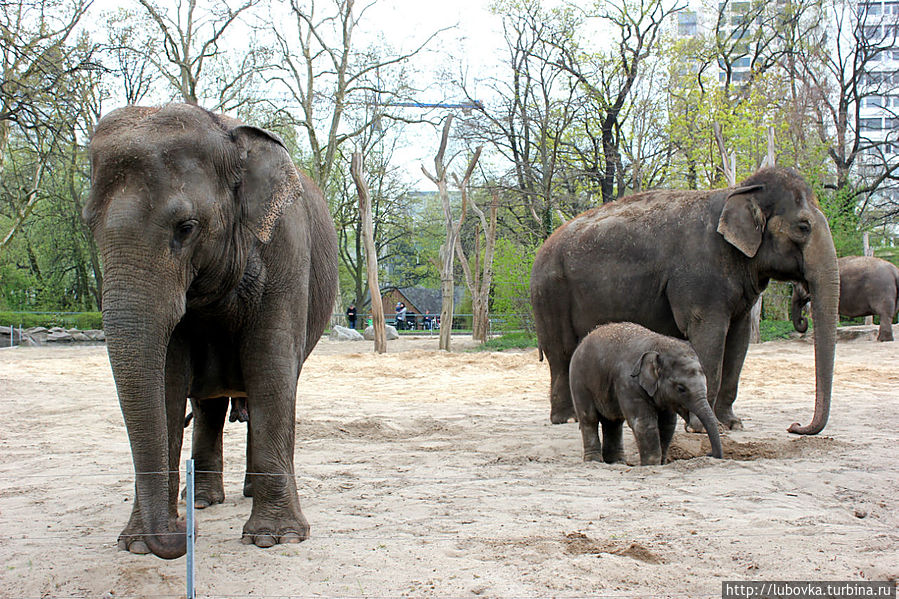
(80,337)
(339,333)
(95,335)
(37,335)
(369,333)
(59,337)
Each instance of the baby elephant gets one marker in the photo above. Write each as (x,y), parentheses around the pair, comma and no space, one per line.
(622,371)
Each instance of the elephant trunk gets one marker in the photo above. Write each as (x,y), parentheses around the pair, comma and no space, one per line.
(798,302)
(138,328)
(823,278)
(703,411)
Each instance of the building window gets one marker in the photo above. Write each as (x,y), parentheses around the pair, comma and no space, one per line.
(687,23)
(874,102)
(871,124)
(869,9)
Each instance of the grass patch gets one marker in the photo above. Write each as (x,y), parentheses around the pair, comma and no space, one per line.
(517,340)
(770,330)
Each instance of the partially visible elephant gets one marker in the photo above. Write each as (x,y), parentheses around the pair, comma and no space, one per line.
(220,265)
(688,264)
(869,286)
(622,371)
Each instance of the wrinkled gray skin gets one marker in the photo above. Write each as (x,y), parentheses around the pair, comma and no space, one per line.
(869,286)
(220,273)
(622,371)
(688,264)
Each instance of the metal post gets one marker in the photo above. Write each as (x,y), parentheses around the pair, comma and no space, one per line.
(191,527)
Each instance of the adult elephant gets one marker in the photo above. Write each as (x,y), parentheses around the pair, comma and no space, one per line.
(220,271)
(869,286)
(689,264)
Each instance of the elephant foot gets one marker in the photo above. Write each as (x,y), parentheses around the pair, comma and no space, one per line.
(562,415)
(727,418)
(593,456)
(135,545)
(239,412)
(133,537)
(267,533)
(206,493)
(885,337)
(730,422)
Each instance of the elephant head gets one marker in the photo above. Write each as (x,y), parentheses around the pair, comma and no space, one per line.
(798,302)
(774,219)
(178,196)
(675,379)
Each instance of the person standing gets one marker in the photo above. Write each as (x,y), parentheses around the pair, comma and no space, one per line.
(351,315)
(400,316)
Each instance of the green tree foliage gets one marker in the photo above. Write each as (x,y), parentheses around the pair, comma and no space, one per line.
(511,305)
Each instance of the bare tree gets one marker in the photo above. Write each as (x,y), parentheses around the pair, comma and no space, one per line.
(190,40)
(128,49)
(326,75)
(535,109)
(609,81)
(371,255)
(452,227)
(478,276)
(839,68)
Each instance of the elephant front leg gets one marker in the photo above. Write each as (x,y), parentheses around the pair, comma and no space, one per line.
(708,340)
(734,356)
(276,516)
(646,432)
(209,420)
(667,423)
(177,365)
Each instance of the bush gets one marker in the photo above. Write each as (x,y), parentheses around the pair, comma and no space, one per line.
(776,329)
(67,320)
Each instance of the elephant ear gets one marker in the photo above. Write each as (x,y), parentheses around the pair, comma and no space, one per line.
(269,182)
(647,371)
(742,221)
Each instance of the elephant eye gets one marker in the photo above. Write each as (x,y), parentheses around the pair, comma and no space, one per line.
(804,227)
(187,227)
(680,388)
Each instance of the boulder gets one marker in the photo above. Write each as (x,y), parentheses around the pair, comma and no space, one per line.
(339,333)
(369,333)
(59,337)
(95,335)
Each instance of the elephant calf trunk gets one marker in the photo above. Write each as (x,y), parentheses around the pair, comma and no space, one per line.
(704,412)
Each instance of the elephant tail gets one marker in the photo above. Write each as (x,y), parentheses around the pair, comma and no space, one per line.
(540,352)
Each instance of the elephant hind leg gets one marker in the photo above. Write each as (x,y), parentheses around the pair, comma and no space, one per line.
(612,441)
(886,327)
(209,421)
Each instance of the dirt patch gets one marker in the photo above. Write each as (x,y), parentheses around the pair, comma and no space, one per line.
(580,544)
(689,446)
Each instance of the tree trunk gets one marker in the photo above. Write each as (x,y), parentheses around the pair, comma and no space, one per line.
(371,255)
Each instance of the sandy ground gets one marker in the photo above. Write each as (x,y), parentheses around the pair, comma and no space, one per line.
(433,474)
